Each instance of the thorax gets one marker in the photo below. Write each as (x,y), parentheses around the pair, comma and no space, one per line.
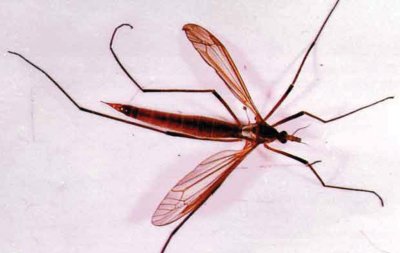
(259,132)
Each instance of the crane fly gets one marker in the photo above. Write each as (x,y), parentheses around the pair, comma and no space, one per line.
(193,190)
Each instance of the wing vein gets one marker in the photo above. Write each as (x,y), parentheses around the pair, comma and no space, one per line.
(191,191)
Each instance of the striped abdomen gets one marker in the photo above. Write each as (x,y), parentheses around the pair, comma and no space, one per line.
(198,126)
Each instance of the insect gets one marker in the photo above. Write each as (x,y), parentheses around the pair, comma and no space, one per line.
(193,190)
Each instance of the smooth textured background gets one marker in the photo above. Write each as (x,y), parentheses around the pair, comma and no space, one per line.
(73,182)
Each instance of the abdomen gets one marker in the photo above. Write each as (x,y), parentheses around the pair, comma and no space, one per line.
(198,126)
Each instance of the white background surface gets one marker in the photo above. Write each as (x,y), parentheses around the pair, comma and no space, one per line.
(73,182)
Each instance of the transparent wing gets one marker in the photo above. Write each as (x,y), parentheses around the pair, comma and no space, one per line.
(216,55)
(195,188)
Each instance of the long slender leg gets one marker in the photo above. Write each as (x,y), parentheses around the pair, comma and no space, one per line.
(289,89)
(108,116)
(309,165)
(299,114)
(212,91)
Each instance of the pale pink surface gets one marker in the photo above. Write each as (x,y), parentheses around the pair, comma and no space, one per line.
(71,182)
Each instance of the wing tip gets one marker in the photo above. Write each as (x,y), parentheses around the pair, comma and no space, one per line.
(199,35)
(156,222)
(163,220)
(189,26)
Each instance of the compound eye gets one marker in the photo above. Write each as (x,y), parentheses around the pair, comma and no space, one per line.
(282,137)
